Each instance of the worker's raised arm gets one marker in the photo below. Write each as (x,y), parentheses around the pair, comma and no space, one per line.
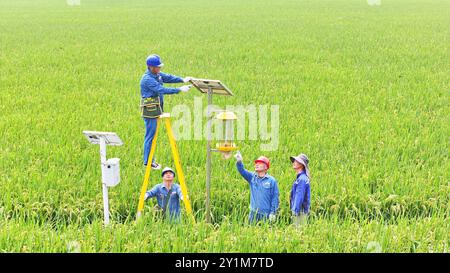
(240,166)
(158,89)
(244,173)
(167,78)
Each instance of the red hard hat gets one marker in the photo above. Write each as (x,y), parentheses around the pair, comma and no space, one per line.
(264,160)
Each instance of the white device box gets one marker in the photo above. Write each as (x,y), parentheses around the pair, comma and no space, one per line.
(111,172)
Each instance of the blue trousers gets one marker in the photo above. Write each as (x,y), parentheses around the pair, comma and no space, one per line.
(150,130)
(256,217)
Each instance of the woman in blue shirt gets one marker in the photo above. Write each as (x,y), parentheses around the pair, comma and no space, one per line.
(300,192)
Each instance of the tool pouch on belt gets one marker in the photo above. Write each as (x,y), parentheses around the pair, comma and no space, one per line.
(150,107)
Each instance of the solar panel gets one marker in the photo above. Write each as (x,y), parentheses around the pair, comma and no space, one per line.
(216,86)
(110,138)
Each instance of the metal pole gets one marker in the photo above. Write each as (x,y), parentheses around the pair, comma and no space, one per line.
(102,150)
(105,188)
(105,204)
(208,159)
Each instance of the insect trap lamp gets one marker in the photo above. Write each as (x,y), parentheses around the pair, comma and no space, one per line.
(226,146)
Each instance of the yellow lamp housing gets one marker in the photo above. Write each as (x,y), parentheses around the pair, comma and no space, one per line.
(227,146)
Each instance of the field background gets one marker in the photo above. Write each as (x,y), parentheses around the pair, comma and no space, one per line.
(362,90)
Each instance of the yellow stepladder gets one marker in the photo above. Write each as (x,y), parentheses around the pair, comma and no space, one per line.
(176,158)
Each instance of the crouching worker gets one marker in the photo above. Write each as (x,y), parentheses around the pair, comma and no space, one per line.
(264,194)
(300,193)
(168,195)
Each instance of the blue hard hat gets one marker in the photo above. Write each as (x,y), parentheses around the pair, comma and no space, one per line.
(154,60)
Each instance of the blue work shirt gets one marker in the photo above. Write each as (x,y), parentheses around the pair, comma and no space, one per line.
(264,194)
(300,194)
(152,85)
(160,192)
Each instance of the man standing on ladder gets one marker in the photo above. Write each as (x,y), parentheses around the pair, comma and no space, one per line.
(152,99)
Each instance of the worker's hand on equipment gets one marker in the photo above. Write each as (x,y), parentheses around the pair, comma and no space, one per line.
(238,156)
(185,88)
(272,217)
(187,79)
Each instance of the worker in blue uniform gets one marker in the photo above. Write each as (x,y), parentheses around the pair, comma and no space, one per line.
(168,195)
(152,99)
(300,197)
(264,193)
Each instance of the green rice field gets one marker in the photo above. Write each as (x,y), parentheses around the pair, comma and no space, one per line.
(362,90)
